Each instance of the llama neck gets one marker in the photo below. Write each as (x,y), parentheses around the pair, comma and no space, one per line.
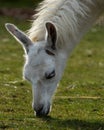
(85,23)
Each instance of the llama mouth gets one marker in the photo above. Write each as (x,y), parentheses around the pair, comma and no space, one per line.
(42,111)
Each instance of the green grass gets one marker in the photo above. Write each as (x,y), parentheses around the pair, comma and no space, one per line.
(79,101)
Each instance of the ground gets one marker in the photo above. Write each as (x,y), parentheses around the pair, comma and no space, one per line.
(79,101)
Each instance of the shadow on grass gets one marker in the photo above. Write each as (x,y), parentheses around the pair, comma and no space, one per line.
(56,124)
(75,124)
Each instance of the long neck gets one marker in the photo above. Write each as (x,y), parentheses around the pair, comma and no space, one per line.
(85,23)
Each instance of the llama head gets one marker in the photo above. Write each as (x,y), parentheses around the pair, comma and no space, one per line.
(43,67)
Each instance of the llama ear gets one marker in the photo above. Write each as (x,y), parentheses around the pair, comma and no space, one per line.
(51,35)
(19,36)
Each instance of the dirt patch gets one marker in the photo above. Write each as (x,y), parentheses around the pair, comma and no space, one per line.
(17,13)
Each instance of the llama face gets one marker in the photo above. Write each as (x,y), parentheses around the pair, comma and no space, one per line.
(43,68)
(40,69)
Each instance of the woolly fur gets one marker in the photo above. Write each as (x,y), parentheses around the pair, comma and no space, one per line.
(64,14)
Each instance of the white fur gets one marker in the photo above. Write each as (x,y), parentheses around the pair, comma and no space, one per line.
(65,14)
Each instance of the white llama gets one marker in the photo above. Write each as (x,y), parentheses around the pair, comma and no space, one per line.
(58,28)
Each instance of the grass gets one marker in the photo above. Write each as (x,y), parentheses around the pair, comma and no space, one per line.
(79,101)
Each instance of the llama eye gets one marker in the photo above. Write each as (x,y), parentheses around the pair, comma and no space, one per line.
(50,75)
(49,52)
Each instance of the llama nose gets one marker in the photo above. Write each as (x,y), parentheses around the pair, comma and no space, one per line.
(42,111)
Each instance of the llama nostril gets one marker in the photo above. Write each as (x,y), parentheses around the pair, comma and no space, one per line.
(41,111)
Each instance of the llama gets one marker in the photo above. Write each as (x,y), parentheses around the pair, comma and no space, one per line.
(58,27)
